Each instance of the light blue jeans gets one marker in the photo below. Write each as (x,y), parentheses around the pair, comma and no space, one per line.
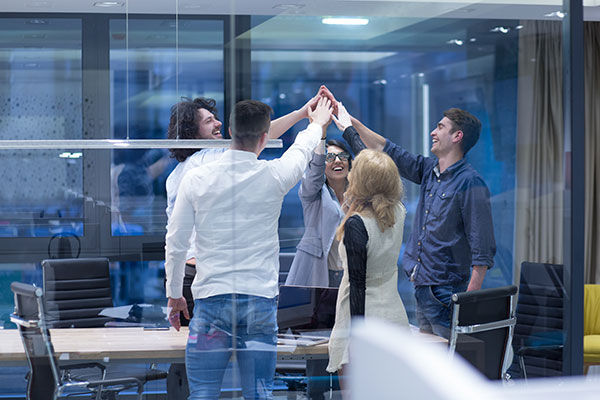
(222,325)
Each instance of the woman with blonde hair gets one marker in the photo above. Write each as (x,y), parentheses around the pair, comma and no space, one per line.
(370,238)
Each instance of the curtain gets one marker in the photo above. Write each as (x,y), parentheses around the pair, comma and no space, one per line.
(541,151)
(540,146)
(592,152)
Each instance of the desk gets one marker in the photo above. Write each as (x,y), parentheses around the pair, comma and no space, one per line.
(136,344)
(125,345)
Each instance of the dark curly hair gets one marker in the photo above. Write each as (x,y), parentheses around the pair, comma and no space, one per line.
(183,123)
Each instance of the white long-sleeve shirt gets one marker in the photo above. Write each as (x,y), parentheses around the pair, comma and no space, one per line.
(234,205)
(197,159)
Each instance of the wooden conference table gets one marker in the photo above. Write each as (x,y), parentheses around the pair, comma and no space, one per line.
(137,345)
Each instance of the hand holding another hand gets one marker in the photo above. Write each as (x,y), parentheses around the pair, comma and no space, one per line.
(321,115)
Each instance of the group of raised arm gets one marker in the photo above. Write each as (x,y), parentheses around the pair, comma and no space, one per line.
(223,222)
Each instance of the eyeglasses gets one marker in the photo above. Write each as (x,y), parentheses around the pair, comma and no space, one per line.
(343,156)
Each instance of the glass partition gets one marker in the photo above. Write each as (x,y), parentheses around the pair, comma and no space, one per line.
(41,99)
(396,66)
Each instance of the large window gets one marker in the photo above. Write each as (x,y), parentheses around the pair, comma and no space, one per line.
(40,98)
(162,61)
(395,65)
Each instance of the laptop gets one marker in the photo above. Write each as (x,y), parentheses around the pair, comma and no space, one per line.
(305,314)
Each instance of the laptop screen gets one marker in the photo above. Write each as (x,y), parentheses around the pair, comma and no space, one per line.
(305,309)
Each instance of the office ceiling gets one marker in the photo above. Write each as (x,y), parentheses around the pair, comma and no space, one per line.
(497,9)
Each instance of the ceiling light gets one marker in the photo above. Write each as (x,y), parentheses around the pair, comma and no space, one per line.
(345,21)
(37,21)
(108,4)
(500,29)
(36,4)
(473,40)
(519,27)
(288,7)
(457,42)
(555,14)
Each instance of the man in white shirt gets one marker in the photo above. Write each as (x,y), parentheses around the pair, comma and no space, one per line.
(197,119)
(233,204)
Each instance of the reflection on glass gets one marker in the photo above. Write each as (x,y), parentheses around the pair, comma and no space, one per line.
(40,98)
(400,89)
(149,73)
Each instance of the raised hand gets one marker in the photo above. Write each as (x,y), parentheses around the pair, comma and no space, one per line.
(343,119)
(322,113)
(310,105)
(325,92)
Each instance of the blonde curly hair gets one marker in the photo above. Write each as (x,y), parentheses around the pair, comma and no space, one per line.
(374,187)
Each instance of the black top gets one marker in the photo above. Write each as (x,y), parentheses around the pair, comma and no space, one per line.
(355,241)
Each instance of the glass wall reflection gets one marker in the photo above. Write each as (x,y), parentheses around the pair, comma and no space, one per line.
(41,98)
(396,71)
(150,72)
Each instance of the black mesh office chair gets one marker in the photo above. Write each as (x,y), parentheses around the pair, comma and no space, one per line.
(47,379)
(538,341)
(75,291)
(482,328)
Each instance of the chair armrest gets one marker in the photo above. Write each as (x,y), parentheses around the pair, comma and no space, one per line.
(537,350)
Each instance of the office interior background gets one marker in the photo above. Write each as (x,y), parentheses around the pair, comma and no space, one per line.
(84,69)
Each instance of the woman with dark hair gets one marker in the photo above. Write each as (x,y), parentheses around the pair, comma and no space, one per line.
(317,261)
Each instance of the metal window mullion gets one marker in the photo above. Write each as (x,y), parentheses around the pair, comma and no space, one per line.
(96,125)
(574,205)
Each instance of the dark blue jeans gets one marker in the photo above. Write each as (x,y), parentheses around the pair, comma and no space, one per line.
(221,324)
(434,307)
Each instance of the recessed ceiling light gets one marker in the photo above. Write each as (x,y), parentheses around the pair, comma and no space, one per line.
(288,7)
(555,14)
(36,21)
(457,42)
(500,29)
(519,27)
(472,40)
(345,21)
(35,4)
(109,4)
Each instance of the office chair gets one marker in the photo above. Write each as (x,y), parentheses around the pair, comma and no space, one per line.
(47,380)
(482,328)
(538,340)
(75,291)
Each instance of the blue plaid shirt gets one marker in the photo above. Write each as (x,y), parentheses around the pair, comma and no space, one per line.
(453,227)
